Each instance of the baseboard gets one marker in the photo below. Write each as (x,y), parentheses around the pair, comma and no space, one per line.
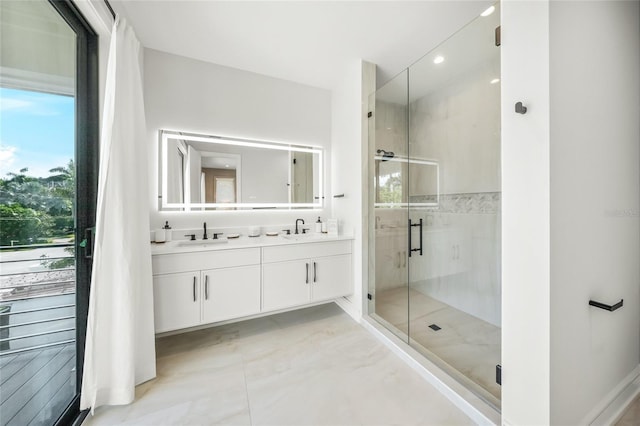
(614,404)
(480,412)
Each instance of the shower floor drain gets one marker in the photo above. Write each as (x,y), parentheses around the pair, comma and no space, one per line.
(434,327)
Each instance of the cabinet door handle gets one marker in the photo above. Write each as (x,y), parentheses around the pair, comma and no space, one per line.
(307,274)
(206,287)
(194,288)
(314,271)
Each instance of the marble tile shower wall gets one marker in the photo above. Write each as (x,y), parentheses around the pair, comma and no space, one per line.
(457,125)
(460,265)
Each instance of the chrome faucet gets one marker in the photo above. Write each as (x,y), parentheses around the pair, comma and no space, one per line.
(297,220)
(204,237)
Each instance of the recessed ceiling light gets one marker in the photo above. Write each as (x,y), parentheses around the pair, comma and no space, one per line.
(495,80)
(438,59)
(489,11)
(226,165)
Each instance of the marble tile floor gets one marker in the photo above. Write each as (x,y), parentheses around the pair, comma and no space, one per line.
(467,344)
(631,416)
(314,366)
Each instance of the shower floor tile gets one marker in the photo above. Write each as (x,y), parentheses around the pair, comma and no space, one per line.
(467,344)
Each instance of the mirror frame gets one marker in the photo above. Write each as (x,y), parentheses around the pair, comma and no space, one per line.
(165,135)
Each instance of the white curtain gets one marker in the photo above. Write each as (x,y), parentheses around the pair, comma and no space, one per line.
(120,347)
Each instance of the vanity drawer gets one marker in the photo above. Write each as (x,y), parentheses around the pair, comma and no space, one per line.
(180,262)
(305,251)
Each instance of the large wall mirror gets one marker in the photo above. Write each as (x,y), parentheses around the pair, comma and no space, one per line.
(200,172)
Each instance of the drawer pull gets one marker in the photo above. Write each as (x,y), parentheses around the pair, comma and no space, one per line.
(307,274)
(314,272)
(194,288)
(206,287)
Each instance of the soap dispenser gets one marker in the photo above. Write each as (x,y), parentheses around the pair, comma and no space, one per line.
(167,231)
(318,225)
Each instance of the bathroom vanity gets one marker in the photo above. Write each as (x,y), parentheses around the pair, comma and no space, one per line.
(210,282)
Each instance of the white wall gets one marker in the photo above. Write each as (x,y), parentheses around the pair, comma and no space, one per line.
(348,111)
(190,95)
(571,208)
(525,213)
(595,202)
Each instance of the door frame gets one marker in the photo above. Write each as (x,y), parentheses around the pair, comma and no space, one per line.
(87,127)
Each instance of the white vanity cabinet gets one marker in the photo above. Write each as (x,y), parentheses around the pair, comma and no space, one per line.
(198,287)
(176,300)
(191,289)
(300,274)
(230,293)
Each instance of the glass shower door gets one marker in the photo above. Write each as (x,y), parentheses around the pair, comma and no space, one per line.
(388,202)
(454,205)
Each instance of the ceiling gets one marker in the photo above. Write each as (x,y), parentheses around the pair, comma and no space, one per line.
(309,42)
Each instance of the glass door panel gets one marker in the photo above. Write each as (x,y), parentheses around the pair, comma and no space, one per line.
(388,200)
(41,211)
(454,205)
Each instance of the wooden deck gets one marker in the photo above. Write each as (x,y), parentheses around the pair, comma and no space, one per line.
(36,386)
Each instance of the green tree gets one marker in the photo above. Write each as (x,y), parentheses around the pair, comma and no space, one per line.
(36,207)
(22,225)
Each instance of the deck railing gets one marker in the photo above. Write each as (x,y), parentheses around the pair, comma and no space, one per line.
(37,303)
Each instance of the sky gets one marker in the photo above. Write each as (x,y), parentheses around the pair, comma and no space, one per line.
(37,131)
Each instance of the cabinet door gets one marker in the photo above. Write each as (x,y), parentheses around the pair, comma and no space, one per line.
(176,301)
(286,284)
(331,277)
(230,293)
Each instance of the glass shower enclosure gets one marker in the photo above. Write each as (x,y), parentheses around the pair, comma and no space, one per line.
(434,206)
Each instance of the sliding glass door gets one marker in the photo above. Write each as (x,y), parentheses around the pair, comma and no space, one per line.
(48,129)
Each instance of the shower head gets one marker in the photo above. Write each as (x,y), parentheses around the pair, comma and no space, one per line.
(386,155)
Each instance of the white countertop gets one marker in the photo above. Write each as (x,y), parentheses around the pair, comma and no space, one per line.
(185,246)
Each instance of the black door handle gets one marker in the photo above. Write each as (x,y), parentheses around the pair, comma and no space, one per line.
(87,243)
(411,225)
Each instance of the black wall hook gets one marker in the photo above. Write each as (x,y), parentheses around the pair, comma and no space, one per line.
(521,109)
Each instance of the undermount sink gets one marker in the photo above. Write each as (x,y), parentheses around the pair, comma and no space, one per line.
(304,237)
(202,242)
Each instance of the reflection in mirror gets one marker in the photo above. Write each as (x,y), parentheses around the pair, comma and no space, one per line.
(391,189)
(212,173)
